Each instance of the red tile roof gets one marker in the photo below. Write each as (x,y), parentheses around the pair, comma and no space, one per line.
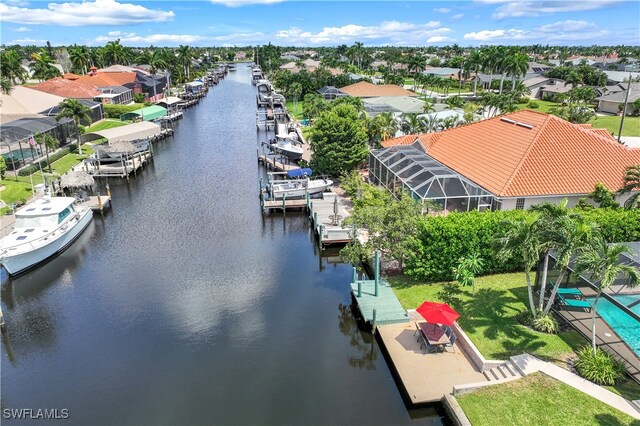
(71,76)
(400,140)
(364,89)
(531,154)
(67,88)
(102,79)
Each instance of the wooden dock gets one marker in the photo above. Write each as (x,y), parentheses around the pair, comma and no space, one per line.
(271,162)
(383,308)
(97,203)
(326,224)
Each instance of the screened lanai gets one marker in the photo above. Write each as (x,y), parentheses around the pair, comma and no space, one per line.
(425,179)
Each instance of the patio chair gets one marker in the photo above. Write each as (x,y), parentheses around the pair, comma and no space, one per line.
(574,303)
(452,341)
(447,330)
(570,292)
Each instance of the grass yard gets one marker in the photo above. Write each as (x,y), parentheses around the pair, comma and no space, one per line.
(612,124)
(545,106)
(107,123)
(538,400)
(489,319)
(65,164)
(296,113)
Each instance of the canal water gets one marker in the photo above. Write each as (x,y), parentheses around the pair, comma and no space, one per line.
(184,305)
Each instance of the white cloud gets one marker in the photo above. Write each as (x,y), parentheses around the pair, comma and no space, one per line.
(28,41)
(98,12)
(490,35)
(439,39)
(519,9)
(442,10)
(391,32)
(566,26)
(239,3)
(134,39)
(458,16)
(21,30)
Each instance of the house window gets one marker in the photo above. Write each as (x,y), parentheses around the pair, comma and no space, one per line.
(519,203)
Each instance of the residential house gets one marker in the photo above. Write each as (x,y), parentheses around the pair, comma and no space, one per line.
(507,162)
(364,89)
(330,93)
(612,102)
(541,87)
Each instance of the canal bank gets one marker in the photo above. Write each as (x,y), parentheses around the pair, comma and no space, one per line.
(184,305)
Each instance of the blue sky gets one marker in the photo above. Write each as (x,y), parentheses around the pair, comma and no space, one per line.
(314,23)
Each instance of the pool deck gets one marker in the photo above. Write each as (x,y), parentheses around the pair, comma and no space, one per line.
(426,377)
(386,304)
(606,337)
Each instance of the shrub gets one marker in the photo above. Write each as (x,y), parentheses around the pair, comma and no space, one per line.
(533,105)
(32,168)
(115,111)
(600,368)
(545,323)
(441,240)
(3,167)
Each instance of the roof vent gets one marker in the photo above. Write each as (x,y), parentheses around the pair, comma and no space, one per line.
(517,123)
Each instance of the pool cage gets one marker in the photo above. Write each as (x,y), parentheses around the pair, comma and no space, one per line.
(426,180)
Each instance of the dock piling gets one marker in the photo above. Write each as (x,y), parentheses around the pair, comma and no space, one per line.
(377,273)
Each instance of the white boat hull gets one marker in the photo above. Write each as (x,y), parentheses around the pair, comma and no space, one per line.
(301,191)
(22,262)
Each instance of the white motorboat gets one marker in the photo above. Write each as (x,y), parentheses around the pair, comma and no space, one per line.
(42,229)
(287,147)
(300,185)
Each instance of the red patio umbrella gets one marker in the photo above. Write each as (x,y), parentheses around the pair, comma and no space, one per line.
(439,313)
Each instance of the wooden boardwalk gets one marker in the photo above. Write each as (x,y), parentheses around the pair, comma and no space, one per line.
(97,203)
(271,162)
(425,377)
(386,305)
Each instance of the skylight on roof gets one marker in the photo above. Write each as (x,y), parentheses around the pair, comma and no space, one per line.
(517,123)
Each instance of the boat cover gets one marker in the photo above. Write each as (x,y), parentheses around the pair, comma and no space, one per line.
(300,172)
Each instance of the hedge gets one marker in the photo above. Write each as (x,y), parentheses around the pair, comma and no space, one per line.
(442,240)
(115,111)
(26,171)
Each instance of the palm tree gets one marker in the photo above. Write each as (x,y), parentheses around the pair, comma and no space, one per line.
(42,66)
(185,54)
(517,66)
(632,183)
(73,109)
(387,125)
(602,262)
(115,53)
(428,107)
(574,237)
(49,142)
(80,58)
(474,60)
(295,91)
(11,67)
(411,124)
(5,85)
(522,241)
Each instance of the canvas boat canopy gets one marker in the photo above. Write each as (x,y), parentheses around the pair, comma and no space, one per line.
(129,132)
(147,114)
(300,172)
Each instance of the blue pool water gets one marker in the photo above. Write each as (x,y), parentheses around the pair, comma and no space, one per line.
(628,299)
(624,324)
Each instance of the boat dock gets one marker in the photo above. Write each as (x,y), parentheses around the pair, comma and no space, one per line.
(121,169)
(327,214)
(275,162)
(97,203)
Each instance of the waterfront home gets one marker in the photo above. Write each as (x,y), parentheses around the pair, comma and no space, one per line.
(364,89)
(507,162)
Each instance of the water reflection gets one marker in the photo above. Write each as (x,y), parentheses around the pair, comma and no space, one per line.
(363,342)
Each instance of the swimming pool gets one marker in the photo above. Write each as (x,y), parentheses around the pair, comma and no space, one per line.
(627,300)
(624,324)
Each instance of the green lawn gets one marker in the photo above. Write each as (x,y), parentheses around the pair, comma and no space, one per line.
(612,123)
(538,400)
(296,113)
(64,164)
(544,106)
(489,318)
(105,124)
